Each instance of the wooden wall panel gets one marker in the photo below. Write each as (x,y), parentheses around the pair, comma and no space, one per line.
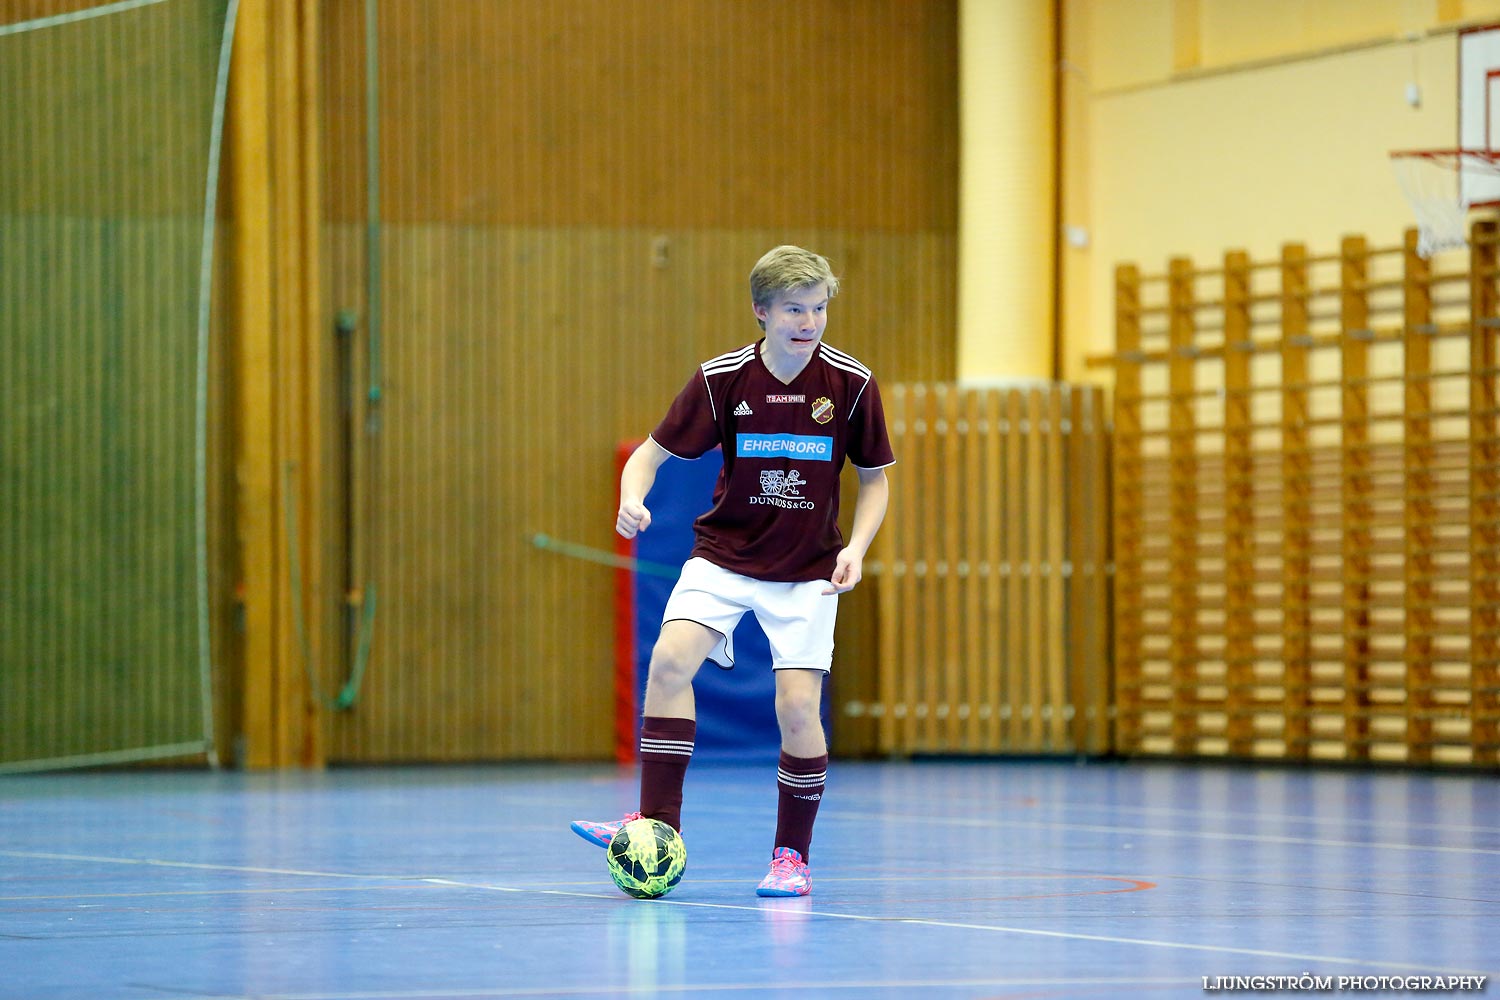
(1482,697)
(571,199)
(16,11)
(515,361)
(992,588)
(1328,593)
(103,153)
(97,595)
(153,55)
(282,344)
(671,113)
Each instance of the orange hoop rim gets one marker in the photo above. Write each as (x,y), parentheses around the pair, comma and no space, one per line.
(1456,156)
(1489,156)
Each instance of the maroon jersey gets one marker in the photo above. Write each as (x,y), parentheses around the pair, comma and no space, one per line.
(776,503)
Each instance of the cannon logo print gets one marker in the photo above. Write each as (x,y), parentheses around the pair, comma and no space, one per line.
(779,483)
(778,487)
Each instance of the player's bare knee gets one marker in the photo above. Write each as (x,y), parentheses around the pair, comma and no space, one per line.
(798,712)
(667,682)
(672,668)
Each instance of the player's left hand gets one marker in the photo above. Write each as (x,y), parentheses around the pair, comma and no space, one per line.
(848,570)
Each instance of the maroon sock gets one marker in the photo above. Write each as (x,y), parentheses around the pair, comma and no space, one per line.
(800,781)
(666,747)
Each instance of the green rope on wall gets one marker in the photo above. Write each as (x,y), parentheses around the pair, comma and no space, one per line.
(587,553)
(349,693)
(372,204)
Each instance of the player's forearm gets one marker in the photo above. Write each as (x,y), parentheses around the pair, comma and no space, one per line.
(639,474)
(869,511)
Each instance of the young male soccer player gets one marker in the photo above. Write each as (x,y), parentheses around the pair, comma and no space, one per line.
(788,410)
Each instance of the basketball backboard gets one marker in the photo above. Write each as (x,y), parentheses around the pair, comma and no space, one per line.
(1479,109)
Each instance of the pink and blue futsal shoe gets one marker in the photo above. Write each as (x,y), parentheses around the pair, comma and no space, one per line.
(600,834)
(789,875)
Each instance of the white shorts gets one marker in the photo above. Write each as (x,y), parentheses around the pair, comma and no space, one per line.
(796,617)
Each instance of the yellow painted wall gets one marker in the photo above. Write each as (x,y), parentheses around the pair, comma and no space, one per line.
(1231,33)
(1197,126)
(1007,190)
(1127,43)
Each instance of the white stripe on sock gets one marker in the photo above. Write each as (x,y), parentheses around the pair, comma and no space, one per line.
(681,747)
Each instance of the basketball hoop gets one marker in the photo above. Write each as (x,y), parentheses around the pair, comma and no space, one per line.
(1441,185)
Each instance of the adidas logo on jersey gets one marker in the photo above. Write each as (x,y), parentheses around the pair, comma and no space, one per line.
(743,410)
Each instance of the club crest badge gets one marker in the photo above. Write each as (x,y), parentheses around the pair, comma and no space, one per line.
(822,409)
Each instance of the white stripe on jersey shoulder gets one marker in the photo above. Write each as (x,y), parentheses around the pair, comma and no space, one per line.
(709,391)
(729,362)
(664,450)
(839,359)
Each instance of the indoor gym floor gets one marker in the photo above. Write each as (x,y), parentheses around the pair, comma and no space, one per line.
(931,879)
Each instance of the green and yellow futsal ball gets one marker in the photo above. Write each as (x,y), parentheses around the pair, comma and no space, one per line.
(646,858)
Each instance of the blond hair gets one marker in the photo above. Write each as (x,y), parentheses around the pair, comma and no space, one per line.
(786,269)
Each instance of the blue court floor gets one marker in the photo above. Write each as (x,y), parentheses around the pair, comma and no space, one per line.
(930,879)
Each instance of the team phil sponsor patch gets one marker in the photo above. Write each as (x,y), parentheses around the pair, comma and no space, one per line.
(818,449)
(822,410)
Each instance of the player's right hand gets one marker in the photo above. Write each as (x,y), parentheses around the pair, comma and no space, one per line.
(632,518)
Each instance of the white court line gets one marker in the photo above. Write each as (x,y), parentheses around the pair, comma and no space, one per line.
(403,881)
(189,893)
(656,989)
(760,909)
(158,863)
(1355,890)
(994,928)
(1147,831)
(1254,817)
